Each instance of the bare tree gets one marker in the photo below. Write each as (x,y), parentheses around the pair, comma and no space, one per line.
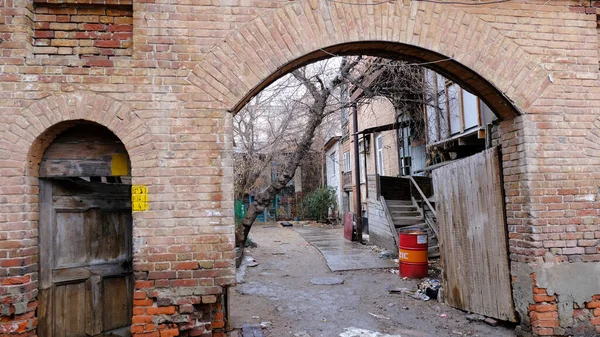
(260,132)
(291,113)
(400,82)
(312,101)
(419,99)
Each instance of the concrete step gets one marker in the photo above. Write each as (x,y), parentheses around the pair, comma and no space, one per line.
(404,214)
(399,202)
(402,209)
(407,220)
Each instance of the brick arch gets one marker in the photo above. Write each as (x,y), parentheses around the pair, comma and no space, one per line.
(483,60)
(41,122)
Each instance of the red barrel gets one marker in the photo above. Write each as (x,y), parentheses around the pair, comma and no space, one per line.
(413,254)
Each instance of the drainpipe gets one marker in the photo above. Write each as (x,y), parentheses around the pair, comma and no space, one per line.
(358,203)
(365,165)
(399,143)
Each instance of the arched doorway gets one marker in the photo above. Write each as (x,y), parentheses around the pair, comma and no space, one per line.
(501,240)
(85,240)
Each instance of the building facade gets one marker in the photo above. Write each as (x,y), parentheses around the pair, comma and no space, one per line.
(166,77)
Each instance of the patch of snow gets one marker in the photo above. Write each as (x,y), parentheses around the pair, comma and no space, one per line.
(356,332)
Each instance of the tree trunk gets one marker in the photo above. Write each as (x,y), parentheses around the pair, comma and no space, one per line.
(264,198)
(320,93)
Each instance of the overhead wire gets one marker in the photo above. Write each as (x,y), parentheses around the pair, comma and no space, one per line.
(449,58)
(472,3)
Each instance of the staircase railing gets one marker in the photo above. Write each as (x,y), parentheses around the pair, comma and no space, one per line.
(390,221)
(423,204)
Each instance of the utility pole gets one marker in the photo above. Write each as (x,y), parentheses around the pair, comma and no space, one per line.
(358,203)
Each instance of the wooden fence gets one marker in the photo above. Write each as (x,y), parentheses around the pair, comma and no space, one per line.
(473,239)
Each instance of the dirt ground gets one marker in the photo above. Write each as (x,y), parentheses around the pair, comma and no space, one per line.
(279,290)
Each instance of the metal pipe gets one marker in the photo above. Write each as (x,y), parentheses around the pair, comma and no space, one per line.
(365,165)
(358,203)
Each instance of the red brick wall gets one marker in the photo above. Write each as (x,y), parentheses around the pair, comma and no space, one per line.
(95,34)
(544,315)
(180,317)
(191,62)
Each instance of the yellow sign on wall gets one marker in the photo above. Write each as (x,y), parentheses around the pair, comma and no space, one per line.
(139,198)
(119,164)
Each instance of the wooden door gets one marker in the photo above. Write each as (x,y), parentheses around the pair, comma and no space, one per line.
(473,238)
(85,258)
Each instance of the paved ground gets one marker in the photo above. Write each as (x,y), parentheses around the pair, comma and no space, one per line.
(279,290)
(341,254)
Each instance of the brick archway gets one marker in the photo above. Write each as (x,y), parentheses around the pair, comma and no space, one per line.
(22,144)
(456,43)
(39,123)
(469,51)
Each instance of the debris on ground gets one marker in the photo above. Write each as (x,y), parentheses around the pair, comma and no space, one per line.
(286,224)
(421,296)
(429,288)
(399,290)
(251,262)
(266,325)
(393,270)
(386,254)
(327,280)
(302,334)
(491,321)
(356,332)
(475,318)
(378,316)
(252,330)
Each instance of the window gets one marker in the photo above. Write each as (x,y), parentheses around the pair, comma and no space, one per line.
(331,165)
(405,151)
(361,160)
(454,108)
(347,167)
(363,173)
(379,153)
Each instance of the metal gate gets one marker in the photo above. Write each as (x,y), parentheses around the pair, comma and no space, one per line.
(473,236)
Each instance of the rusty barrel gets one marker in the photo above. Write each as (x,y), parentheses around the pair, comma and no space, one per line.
(413,254)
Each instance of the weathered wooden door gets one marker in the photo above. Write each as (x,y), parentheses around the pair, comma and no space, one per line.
(473,239)
(85,258)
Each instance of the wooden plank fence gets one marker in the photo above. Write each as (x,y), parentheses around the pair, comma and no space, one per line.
(473,236)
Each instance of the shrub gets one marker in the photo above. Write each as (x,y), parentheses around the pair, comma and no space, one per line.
(317,203)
